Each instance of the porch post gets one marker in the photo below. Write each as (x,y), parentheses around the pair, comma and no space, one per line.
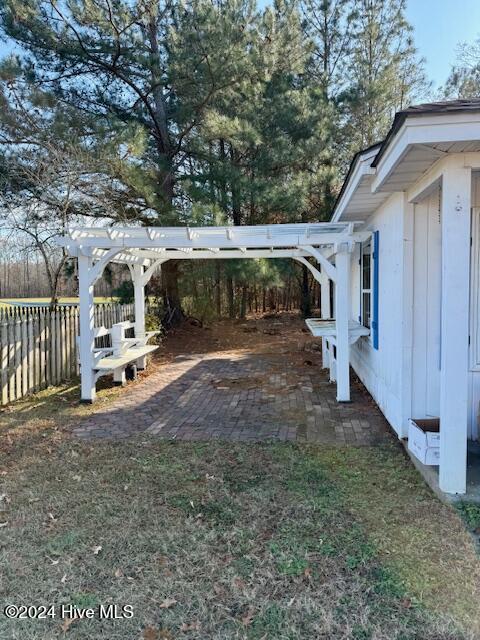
(139,293)
(325,313)
(342,317)
(87,322)
(456,197)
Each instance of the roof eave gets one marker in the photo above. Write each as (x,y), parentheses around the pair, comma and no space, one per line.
(360,166)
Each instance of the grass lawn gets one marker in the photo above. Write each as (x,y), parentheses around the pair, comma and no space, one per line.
(224,541)
(5,302)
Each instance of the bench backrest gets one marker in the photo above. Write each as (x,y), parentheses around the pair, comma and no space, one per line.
(117,333)
(118,336)
(98,332)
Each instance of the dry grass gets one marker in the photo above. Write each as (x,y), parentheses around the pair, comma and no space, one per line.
(247,542)
(251,541)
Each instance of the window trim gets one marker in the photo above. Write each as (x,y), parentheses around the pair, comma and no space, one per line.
(363,290)
(375,288)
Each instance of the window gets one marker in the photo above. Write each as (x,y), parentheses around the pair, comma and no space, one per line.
(376,288)
(366,284)
(369,275)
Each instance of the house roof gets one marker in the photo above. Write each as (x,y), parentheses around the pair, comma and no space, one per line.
(426,109)
(352,166)
(361,190)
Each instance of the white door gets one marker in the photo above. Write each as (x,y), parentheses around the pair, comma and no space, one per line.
(427,287)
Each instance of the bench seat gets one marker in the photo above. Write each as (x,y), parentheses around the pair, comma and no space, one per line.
(328,329)
(116,362)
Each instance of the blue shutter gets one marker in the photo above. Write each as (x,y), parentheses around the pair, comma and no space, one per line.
(360,263)
(376,246)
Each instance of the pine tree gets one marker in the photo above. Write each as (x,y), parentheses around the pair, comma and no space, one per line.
(142,75)
(210,112)
(385,71)
(330,25)
(464,78)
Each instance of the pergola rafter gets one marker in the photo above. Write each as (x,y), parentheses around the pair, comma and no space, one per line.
(145,249)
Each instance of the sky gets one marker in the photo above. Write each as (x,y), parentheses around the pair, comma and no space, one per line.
(440,25)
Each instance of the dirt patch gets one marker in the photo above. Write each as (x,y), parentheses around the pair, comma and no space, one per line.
(254,334)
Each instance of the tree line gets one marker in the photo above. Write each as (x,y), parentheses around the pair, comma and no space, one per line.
(165,112)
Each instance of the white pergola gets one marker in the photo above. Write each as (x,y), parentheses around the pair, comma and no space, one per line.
(145,249)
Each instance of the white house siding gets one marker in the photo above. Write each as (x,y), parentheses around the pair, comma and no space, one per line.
(474,374)
(380,370)
(427,300)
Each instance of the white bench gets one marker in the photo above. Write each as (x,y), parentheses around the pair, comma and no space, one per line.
(123,352)
(327,330)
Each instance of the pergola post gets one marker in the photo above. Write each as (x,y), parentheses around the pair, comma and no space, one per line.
(325,313)
(139,295)
(342,316)
(456,197)
(87,323)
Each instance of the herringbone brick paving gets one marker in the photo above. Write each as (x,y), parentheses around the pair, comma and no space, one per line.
(274,388)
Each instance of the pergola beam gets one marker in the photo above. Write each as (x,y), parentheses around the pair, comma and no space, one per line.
(207,238)
(146,257)
(323,240)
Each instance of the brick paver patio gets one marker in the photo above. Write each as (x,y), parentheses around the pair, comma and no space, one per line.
(282,394)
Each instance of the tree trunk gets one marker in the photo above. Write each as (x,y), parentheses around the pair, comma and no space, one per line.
(271,299)
(171,296)
(243,302)
(305,303)
(218,291)
(236,204)
(230,297)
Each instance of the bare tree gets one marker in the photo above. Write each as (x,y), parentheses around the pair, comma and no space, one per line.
(39,199)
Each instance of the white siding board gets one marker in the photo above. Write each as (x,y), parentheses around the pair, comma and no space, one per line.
(380,370)
(474,373)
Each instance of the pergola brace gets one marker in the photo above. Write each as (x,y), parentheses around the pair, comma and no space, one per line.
(330,270)
(315,272)
(151,270)
(98,268)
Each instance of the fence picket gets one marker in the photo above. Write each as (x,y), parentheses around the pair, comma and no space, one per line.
(58,345)
(30,354)
(11,360)
(4,372)
(38,346)
(24,349)
(18,359)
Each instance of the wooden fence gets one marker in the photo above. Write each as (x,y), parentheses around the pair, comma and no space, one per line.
(38,346)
